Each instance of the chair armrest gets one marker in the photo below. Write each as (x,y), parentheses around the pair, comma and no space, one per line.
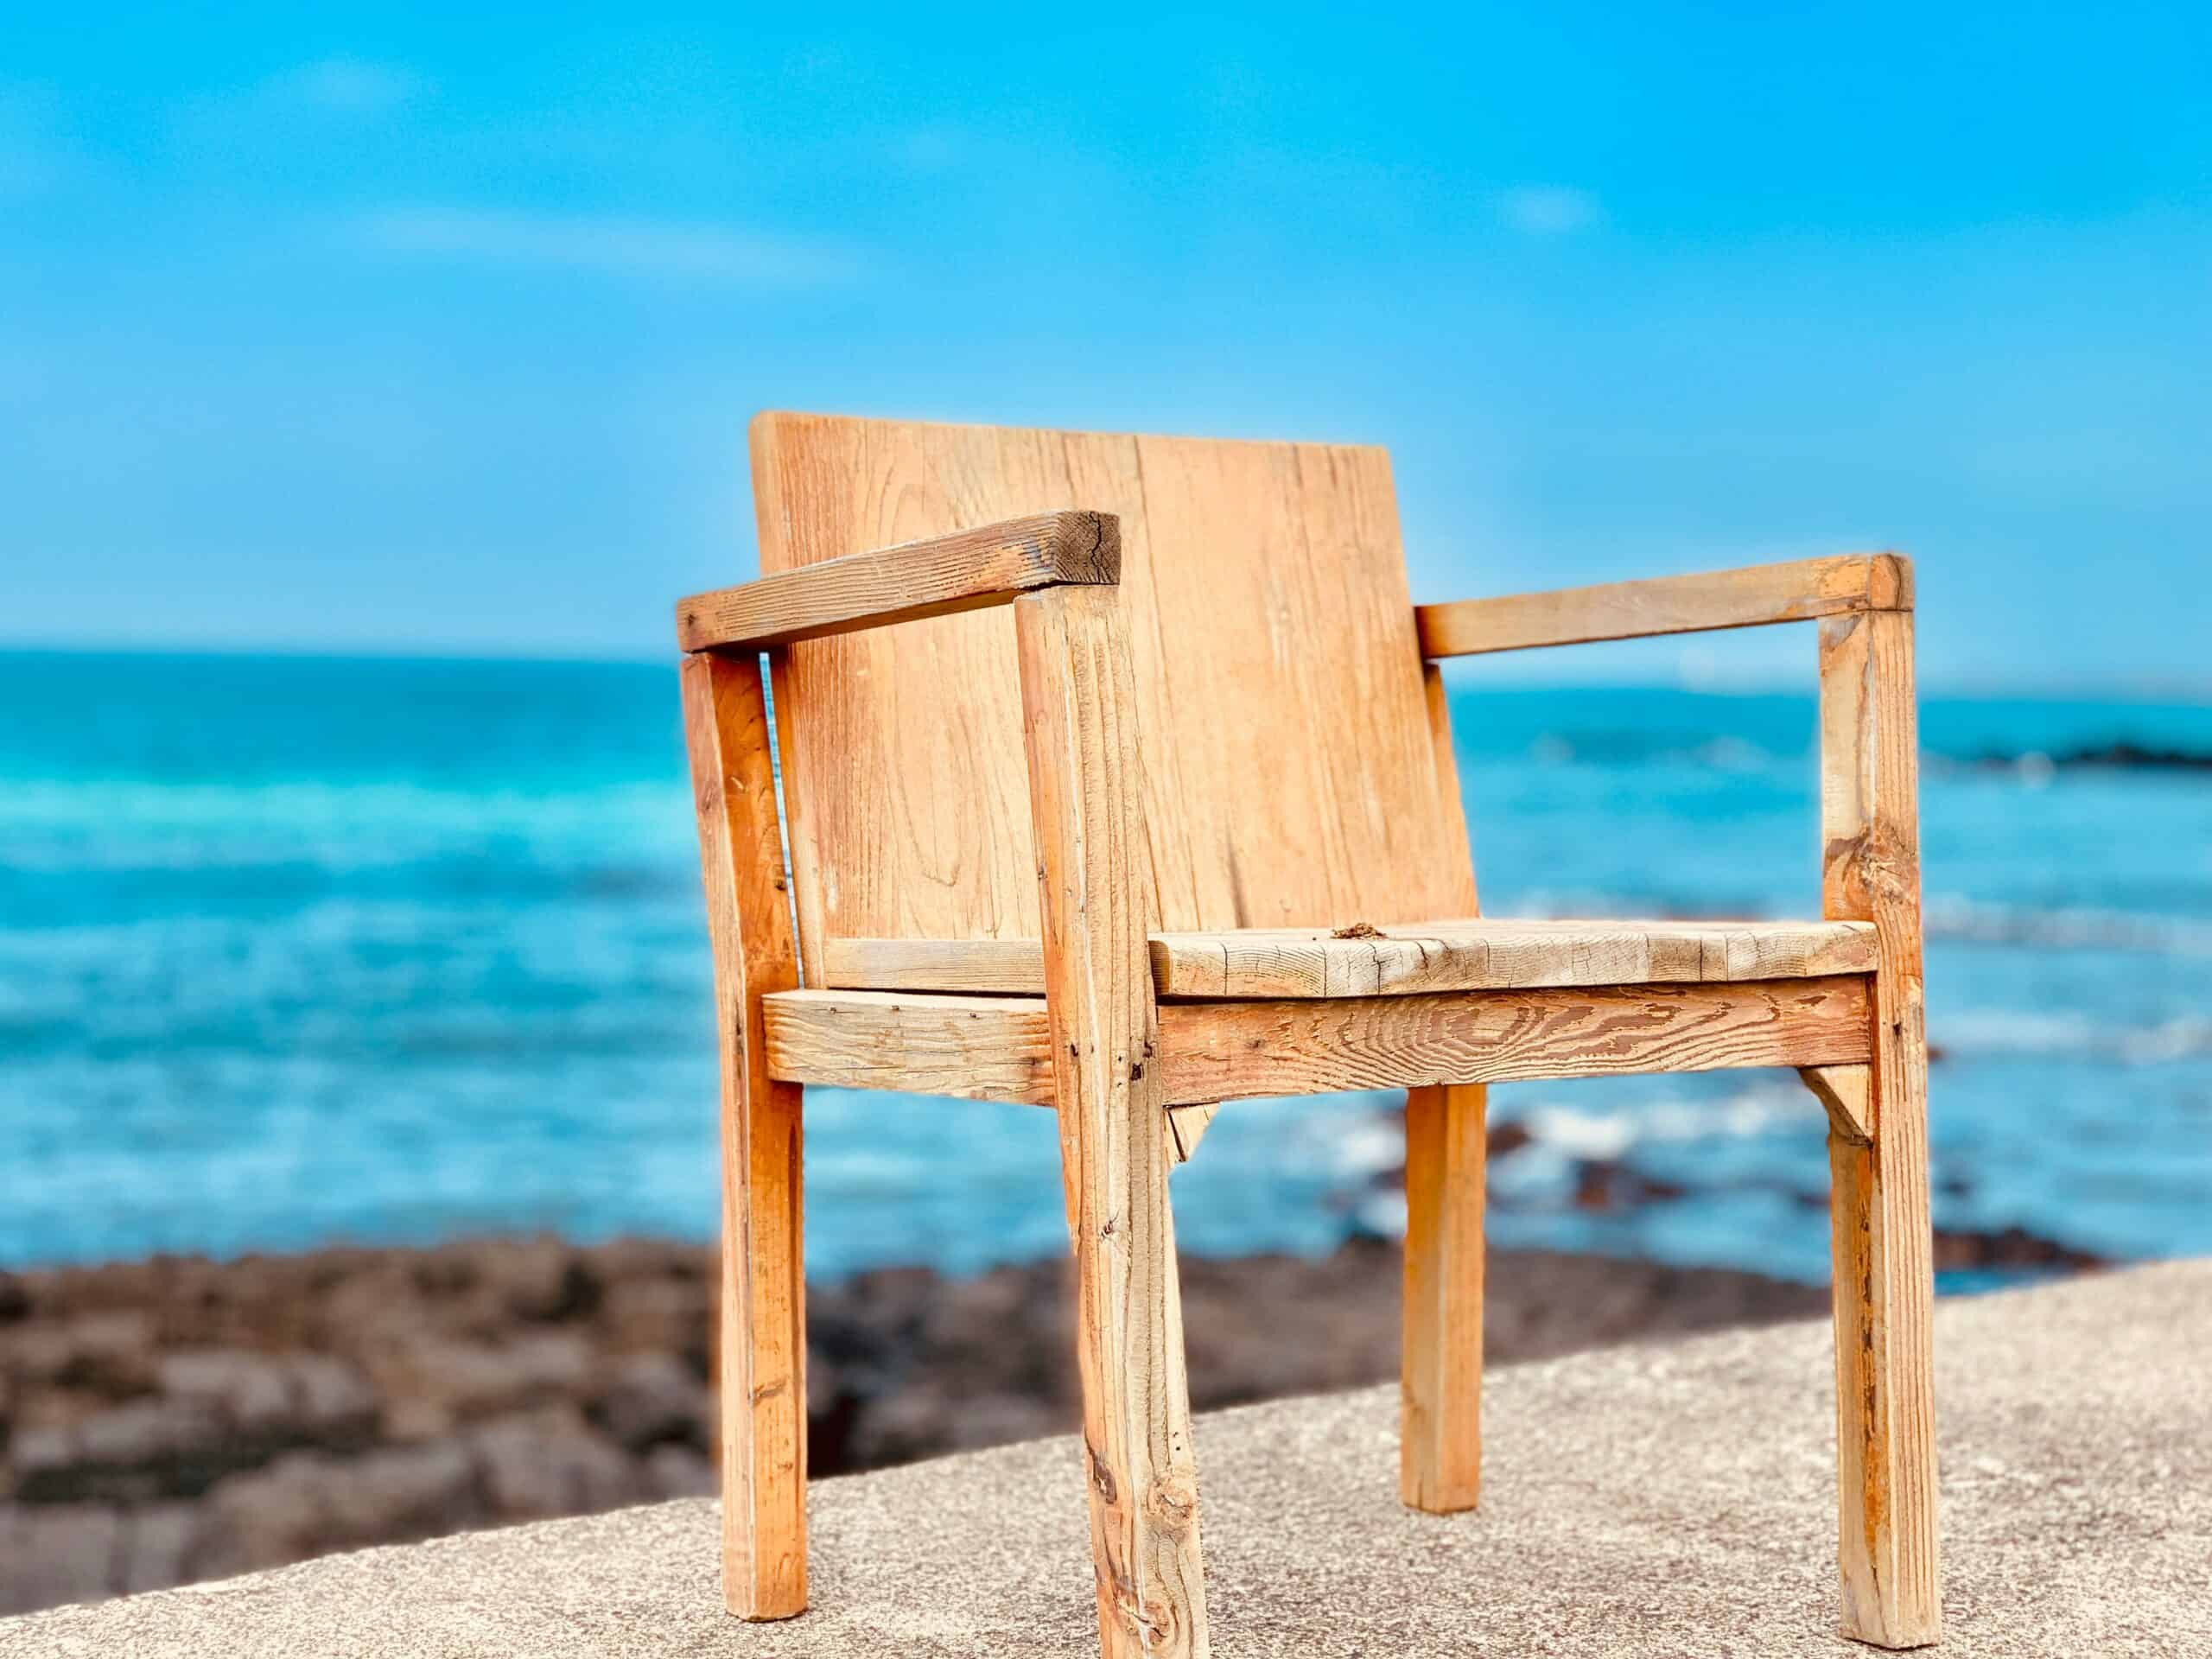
(1759,593)
(964,571)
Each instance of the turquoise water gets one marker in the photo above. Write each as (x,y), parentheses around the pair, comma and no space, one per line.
(295,950)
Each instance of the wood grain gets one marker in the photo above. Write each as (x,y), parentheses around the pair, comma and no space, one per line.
(763,1335)
(1441,1368)
(1229,1051)
(1263,590)
(1884,1288)
(1847,1094)
(1478,954)
(806,884)
(970,807)
(1491,953)
(1438,707)
(1440,1347)
(968,1047)
(966,570)
(1000,1048)
(1796,591)
(1094,876)
(1186,1127)
(1013,966)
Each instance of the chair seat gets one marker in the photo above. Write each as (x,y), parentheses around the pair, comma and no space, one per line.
(1361,960)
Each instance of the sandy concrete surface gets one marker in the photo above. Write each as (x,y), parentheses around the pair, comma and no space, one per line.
(1661,1499)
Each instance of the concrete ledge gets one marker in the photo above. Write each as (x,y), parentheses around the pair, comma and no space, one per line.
(1654,1500)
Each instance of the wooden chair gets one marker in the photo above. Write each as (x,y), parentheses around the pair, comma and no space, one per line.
(1185,829)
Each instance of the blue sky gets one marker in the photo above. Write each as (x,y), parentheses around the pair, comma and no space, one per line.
(438,328)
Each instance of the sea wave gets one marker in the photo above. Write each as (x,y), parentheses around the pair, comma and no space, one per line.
(2066,927)
(1991,1032)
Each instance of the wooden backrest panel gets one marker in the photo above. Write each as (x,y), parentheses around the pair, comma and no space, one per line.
(1289,775)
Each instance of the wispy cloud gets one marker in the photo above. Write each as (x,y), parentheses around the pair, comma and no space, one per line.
(1549,209)
(678,250)
(346,86)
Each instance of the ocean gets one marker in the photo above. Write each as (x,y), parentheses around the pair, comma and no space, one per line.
(299,950)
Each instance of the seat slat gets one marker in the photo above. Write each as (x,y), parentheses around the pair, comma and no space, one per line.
(1500,954)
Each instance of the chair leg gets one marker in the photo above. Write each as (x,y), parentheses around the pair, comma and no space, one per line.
(1883,1244)
(1884,1383)
(763,1335)
(1116,1146)
(1440,1373)
(1136,1414)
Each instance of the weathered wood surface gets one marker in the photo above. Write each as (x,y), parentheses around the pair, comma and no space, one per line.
(1885,1280)
(763,1331)
(807,883)
(1094,876)
(1491,953)
(1847,1094)
(1263,590)
(1478,954)
(1013,966)
(969,1047)
(1229,1051)
(944,576)
(1186,1127)
(1441,1343)
(970,808)
(1440,1359)
(1211,1051)
(1438,707)
(1796,591)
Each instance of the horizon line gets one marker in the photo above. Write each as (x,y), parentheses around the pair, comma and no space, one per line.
(2119,688)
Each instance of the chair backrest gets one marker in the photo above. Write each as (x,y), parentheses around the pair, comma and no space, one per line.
(1290,769)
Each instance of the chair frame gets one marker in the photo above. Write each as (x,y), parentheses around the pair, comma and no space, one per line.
(1134,1079)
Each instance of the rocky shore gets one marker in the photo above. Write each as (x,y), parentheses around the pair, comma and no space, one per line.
(178,1418)
(2119,755)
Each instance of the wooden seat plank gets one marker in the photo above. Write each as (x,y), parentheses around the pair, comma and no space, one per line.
(1473,954)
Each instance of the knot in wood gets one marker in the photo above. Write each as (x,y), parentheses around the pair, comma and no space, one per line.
(1158,1626)
(1171,1501)
(1102,1478)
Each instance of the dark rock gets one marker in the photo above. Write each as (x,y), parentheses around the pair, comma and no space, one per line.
(145,1449)
(549,1463)
(652,1399)
(107,1354)
(252,1392)
(2119,755)
(309,1504)
(2012,1249)
(678,1472)
(57,1553)
(661,1314)
(178,1418)
(159,1542)
(1603,1185)
(1505,1139)
(331,1396)
(430,1386)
